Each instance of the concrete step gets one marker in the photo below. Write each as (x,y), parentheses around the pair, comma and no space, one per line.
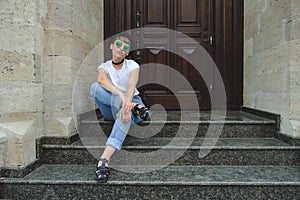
(171,182)
(178,151)
(188,124)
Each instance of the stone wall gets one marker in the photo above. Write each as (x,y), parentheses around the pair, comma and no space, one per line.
(21,90)
(271,60)
(72,29)
(42,46)
(293,29)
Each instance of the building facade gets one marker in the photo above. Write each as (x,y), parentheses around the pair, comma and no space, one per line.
(44,44)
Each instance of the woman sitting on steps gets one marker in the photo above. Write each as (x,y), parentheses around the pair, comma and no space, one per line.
(116,96)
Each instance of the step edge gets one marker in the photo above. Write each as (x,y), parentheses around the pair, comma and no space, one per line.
(267,122)
(65,147)
(150,183)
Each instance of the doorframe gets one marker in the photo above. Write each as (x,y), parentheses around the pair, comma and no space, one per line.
(221,40)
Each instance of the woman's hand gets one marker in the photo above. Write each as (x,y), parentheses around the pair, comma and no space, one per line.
(127,106)
(125,115)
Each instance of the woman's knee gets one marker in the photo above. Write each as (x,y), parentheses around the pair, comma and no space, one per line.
(93,89)
(138,100)
(96,89)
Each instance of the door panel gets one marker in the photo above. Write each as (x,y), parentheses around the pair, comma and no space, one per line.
(193,19)
(153,14)
(199,19)
(184,16)
(228,45)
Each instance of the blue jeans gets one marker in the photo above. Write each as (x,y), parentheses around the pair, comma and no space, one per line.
(109,105)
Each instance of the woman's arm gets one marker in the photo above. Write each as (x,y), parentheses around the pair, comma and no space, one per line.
(126,100)
(128,105)
(133,80)
(107,84)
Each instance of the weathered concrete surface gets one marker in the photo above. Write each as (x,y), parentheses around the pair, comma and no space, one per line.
(272,59)
(42,46)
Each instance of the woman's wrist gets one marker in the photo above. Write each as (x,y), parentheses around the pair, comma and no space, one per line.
(120,93)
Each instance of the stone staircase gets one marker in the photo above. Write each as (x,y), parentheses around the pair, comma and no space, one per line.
(250,160)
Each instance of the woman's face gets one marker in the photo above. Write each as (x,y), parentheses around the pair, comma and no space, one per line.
(120,49)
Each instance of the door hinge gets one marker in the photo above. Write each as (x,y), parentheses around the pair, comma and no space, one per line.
(211,40)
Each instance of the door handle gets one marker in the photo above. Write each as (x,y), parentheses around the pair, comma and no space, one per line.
(138,24)
(138,18)
(205,36)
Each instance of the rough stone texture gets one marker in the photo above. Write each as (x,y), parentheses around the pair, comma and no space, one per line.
(20,97)
(172,182)
(271,60)
(20,75)
(16,67)
(293,36)
(21,129)
(72,30)
(42,46)
(3,143)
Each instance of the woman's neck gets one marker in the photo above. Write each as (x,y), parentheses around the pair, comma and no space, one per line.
(117,62)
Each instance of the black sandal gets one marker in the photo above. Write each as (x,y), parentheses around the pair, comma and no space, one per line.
(143,112)
(102,172)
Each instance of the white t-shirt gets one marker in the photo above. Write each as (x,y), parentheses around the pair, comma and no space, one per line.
(120,78)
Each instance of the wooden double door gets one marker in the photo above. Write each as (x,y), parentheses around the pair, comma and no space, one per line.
(217,25)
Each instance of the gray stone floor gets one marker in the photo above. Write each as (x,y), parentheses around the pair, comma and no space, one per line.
(202,116)
(174,175)
(246,162)
(222,142)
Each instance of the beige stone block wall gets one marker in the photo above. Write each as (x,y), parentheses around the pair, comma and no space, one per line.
(293,36)
(42,46)
(20,131)
(20,97)
(20,79)
(271,60)
(72,29)
(3,147)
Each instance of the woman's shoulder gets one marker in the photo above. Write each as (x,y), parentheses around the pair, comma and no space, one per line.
(105,65)
(131,63)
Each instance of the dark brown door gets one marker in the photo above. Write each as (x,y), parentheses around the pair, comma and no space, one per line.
(214,24)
